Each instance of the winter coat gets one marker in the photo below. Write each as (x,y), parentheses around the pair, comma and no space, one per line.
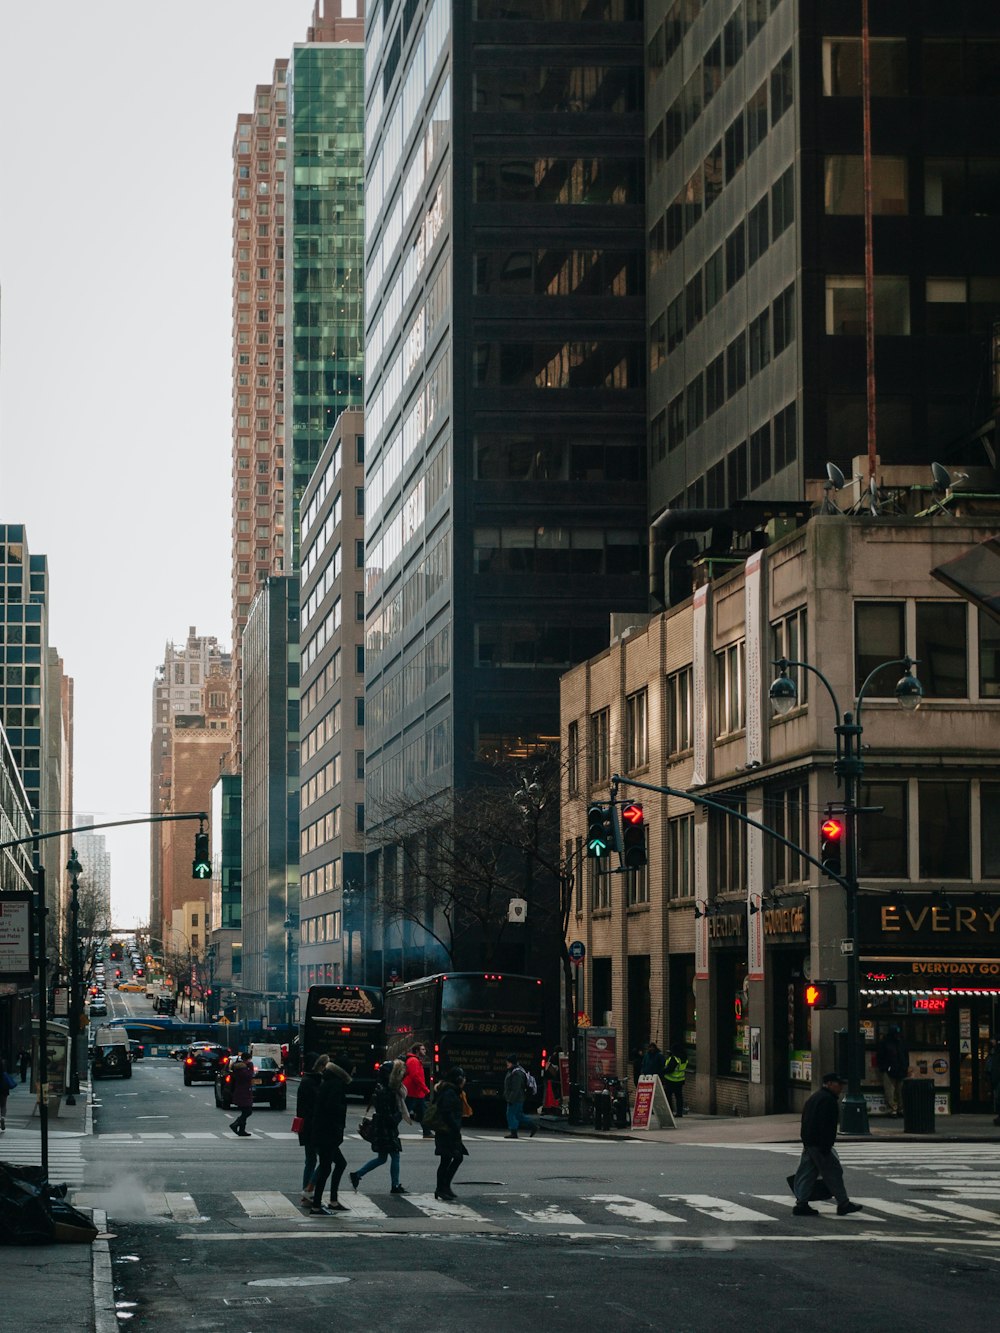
(305,1103)
(330,1113)
(448,1127)
(414,1082)
(653,1062)
(390,1109)
(241,1084)
(893,1057)
(820,1118)
(515,1085)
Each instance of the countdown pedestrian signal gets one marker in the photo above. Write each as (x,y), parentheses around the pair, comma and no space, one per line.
(820,995)
(633,836)
(201,866)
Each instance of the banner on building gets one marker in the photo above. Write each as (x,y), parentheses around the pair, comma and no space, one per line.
(701,896)
(699,687)
(752,590)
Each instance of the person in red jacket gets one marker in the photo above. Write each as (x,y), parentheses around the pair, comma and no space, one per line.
(415,1084)
(241,1083)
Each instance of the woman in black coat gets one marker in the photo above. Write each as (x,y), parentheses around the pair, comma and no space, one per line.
(448,1143)
(328,1122)
(390,1108)
(305,1109)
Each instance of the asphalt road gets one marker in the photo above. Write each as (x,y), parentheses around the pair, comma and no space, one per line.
(550,1233)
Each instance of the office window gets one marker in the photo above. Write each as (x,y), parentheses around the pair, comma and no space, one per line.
(600,755)
(695,403)
(736,256)
(842,67)
(658,437)
(679,716)
(736,365)
(878,637)
(944,837)
(845,306)
(714,279)
(883,838)
(657,343)
(989,826)
(782,203)
(783,321)
(989,657)
(758,231)
(573,758)
(757,118)
(712,172)
(736,467)
(787,812)
(637,887)
(636,733)
(730,699)
(760,342)
(788,640)
(785,437)
(782,86)
(693,302)
(732,39)
(727,849)
(942,649)
(675,323)
(843,185)
(675,422)
(657,246)
(712,70)
(680,854)
(735,147)
(715,384)
(715,486)
(600,888)
(760,455)
(946,305)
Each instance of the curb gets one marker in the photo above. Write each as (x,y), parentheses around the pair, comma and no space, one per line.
(105,1318)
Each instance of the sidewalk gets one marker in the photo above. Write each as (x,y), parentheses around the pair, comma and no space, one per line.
(711,1129)
(58,1286)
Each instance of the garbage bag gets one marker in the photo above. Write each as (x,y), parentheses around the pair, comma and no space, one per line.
(33,1212)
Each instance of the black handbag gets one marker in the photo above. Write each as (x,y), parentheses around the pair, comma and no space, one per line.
(366,1128)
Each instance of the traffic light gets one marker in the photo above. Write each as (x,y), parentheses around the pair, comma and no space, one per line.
(821,995)
(831,841)
(599,831)
(633,836)
(201,866)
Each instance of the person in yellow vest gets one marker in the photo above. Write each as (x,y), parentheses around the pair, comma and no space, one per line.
(674,1075)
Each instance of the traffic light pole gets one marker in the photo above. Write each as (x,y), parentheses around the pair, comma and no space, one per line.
(850,766)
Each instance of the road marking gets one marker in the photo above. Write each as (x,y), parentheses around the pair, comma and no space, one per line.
(723,1210)
(144,1137)
(788,1201)
(362,1206)
(182,1207)
(963,1210)
(431,1207)
(550,1216)
(894,1209)
(199,1136)
(265,1203)
(634,1209)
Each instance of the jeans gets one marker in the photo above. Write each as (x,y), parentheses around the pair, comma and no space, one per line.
(393,1159)
(415,1106)
(516,1117)
(331,1158)
(310,1167)
(818,1164)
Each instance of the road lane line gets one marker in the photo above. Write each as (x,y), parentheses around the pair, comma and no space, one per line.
(634,1209)
(431,1207)
(550,1216)
(266,1203)
(723,1210)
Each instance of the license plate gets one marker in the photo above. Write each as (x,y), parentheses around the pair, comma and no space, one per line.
(257,1082)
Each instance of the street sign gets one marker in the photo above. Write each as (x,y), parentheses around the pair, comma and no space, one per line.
(577,952)
(651,1105)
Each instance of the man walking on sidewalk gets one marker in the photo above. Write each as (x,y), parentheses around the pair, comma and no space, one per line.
(819,1159)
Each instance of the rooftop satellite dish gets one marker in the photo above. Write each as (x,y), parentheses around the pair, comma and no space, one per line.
(834,481)
(942,477)
(873,498)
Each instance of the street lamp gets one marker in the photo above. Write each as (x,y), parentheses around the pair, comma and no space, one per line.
(75,870)
(850,767)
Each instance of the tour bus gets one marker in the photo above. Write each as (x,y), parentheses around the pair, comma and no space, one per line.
(346,1020)
(474,1019)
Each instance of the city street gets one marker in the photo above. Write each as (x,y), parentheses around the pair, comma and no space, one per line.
(208,1232)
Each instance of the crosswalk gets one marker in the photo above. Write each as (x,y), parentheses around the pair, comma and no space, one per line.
(66,1164)
(676,1213)
(147,1136)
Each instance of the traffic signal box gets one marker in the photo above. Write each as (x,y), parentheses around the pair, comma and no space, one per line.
(820,995)
(633,836)
(831,843)
(599,831)
(201,866)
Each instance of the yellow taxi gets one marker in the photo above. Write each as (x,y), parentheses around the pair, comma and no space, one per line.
(131,986)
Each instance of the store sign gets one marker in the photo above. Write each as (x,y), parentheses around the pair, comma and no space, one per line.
(923,919)
(929,974)
(15,937)
(780,923)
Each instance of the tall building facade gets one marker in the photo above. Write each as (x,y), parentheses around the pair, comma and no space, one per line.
(16,876)
(756,240)
(504,373)
(331,926)
(270,787)
(191,682)
(95,882)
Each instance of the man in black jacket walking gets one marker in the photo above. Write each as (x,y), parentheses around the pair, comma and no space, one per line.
(819,1160)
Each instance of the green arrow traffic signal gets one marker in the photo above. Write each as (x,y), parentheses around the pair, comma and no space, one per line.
(598,831)
(201,866)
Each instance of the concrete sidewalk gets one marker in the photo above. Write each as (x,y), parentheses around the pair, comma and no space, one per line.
(57,1286)
(711,1129)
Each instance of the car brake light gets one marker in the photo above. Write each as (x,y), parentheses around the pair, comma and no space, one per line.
(189,1061)
(281,1078)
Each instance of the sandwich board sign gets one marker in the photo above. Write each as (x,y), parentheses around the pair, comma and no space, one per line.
(651,1109)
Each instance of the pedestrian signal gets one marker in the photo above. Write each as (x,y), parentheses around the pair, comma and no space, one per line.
(820,995)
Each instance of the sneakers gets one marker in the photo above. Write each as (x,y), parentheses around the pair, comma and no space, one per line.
(803,1210)
(355,1180)
(510,1136)
(398,1189)
(335,1206)
(320,1210)
(306,1196)
(844,1208)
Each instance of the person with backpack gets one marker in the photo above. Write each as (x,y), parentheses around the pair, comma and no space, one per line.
(517,1085)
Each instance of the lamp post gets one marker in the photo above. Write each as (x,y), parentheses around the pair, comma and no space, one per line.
(210,1009)
(291,923)
(849,768)
(75,870)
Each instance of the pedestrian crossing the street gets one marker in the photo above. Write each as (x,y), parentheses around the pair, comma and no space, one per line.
(969,1170)
(499,1209)
(285,1136)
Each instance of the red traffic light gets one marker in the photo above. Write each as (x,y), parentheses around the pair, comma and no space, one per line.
(832,830)
(632,814)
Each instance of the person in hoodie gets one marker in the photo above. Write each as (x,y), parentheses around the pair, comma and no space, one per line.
(305,1109)
(390,1108)
(328,1123)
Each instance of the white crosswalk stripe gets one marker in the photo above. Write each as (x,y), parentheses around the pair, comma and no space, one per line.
(66,1165)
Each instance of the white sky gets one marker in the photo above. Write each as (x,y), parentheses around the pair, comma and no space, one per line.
(116,126)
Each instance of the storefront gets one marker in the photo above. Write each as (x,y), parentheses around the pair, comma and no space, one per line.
(930,965)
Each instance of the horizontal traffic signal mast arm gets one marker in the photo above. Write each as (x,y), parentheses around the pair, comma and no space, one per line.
(111,823)
(618,781)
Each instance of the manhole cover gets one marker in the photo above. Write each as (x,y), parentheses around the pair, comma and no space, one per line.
(243,1301)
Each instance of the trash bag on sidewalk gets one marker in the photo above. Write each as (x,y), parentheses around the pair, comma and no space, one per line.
(32,1212)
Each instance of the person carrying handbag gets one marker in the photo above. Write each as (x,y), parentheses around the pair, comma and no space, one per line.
(390,1109)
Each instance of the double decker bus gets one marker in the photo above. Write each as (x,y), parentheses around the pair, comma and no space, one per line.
(346,1019)
(474,1019)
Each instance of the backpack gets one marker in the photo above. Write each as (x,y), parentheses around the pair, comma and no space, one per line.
(530,1084)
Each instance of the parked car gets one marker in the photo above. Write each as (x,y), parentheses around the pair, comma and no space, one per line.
(269,1084)
(203,1061)
(110,1056)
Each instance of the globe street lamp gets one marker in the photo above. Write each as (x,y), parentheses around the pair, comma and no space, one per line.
(849,767)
